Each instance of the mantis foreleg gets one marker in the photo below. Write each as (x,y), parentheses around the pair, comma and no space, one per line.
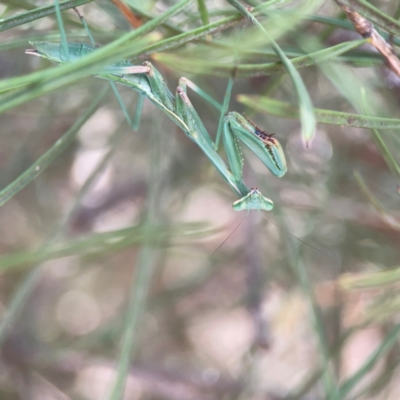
(148,82)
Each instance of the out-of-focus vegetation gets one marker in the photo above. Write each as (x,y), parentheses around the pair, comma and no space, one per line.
(110,282)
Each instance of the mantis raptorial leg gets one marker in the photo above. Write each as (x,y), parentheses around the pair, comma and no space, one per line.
(148,81)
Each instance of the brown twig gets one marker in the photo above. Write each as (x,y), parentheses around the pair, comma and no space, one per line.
(367,30)
(133,20)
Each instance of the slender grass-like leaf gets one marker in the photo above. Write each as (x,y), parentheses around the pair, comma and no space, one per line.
(307,117)
(287,110)
(386,153)
(205,18)
(60,23)
(380,144)
(387,218)
(70,72)
(52,154)
(38,13)
(140,285)
(114,51)
(300,270)
(369,280)
(360,95)
(184,37)
(200,66)
(385,345)
(364,188)
(23,291)
(136,308)
(100,244)
(319,199)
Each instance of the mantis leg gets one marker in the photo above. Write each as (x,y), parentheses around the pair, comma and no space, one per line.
(253,200)
(267,148)
(158,86)
(148,82)
(194,128)
(197,132)
(263,145)
(183,82)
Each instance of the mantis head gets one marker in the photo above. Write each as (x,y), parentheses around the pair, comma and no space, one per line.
(253,200)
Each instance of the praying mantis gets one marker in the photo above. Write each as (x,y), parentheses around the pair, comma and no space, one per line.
(148,81)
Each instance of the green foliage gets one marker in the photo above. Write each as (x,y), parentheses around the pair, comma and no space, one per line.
(107,235)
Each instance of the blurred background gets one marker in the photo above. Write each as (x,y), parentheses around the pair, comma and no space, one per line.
(125,272)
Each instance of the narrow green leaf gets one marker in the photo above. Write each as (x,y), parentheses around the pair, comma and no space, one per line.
(52,154)
(70,72)
(189,36)
(390,220)
(38,13)
(369,280)
(386,153)
(62,30)
(379,142)
(111,53)
(21,294)
(287,110)
(200,66)
(98,244)
(364,188)
(144,268)
(385,345)
(201,4)
(307,116)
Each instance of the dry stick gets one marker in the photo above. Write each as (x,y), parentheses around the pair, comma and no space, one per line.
(367,30)
(133,20)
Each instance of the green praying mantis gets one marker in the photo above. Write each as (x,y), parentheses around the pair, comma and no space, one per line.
(148,81)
